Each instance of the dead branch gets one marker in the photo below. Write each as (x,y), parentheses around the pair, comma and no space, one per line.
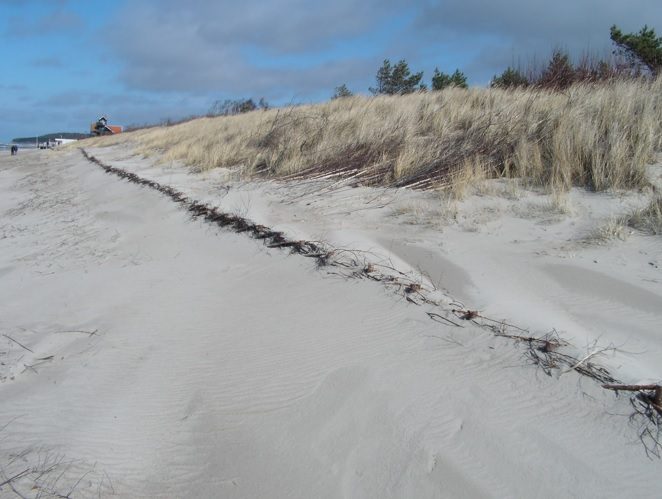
(632,388)
(91,333)
(469,315)
(475,314)
(587,357)
(436,317)
(648,417)
(15,477)
(654,398)
(19,344)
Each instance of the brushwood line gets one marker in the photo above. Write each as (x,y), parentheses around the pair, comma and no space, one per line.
(323,254)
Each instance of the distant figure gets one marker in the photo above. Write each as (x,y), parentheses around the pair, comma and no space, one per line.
(14,150)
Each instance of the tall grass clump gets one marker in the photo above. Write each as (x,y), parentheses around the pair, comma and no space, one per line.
(596,135)
(648,219)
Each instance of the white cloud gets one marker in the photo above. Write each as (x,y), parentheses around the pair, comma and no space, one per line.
(206,45)
(524,28)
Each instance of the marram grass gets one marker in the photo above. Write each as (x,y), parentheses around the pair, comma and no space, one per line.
(599,136)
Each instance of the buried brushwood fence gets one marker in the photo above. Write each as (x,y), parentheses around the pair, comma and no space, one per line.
(552,355)
(647,416)
(549,352)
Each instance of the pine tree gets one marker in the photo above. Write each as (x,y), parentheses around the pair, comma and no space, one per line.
(458,79)
(559,73)
(643,48)
(396,79)
(510,78)
(341,92)
(442,80)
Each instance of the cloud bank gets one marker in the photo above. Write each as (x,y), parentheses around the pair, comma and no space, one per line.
(291,47)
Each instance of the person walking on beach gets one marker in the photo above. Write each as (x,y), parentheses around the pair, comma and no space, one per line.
(14,150)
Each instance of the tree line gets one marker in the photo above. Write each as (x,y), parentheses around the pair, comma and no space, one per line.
(397,79)
(639,54)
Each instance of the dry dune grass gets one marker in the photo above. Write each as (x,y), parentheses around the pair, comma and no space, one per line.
(598,136)
(648,219)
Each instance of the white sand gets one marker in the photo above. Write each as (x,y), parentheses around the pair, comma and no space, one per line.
(219,368)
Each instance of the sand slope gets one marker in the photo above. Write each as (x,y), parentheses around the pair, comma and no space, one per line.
(191,362)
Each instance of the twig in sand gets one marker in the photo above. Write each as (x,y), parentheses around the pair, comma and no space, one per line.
(587,357)
(91,333)
(19,344)
(413,287)
(655,397)
(436,317)
(633,388)
(15,477)
(37,364)
(474,314)
(10,422)
(451,341)
(542,351)
(52,475)
(73,487)
(28,366)
(647,405)
(649,423)
(469,315)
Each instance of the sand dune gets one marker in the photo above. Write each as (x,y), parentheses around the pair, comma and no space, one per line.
(184,361)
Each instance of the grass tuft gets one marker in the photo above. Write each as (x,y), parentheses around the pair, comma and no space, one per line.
(648,219)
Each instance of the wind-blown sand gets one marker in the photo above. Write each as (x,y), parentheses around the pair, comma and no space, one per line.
(193,362)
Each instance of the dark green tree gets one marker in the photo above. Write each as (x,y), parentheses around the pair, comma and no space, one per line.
(383,79)
(559,73)
(396,79)
(263,104)
(459,79)
(341,92)
(230,107)
(510,78)
(643,48)
(441,80)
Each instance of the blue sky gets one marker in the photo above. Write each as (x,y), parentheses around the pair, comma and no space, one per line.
(140,61)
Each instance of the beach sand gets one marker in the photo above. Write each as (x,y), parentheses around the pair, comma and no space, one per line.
(146,354)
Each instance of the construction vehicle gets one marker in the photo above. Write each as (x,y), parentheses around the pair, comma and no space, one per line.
(101,127)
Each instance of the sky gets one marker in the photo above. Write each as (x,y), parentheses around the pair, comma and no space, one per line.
(66,62)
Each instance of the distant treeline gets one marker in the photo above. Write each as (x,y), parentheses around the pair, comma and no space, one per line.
(51,136)
(635,55)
